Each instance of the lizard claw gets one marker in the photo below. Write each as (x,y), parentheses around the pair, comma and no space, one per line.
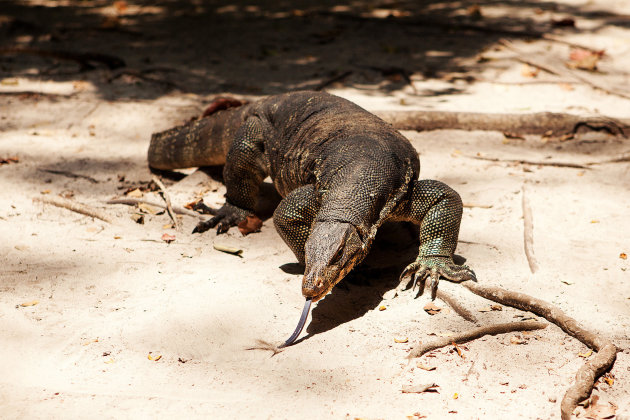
(433,267)
(226,217)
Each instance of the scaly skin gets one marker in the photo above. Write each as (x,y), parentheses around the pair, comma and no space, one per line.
(341,171)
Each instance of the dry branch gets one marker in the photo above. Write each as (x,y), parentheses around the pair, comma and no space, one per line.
(167,200)
(534,163)
(528,234)
(590,371)
(136,201)
(75,207)
(474,334)
(536,123)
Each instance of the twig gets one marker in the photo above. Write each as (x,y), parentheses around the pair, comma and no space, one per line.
(591,370)
(528,233)
(265,345)
(536,123)
(474,334)
(74,206)
(534,163)
(459,309)
(167,199)
(136,201)
(69,174)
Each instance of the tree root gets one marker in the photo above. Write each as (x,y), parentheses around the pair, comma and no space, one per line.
(474,334)
(590,371)
(75,207)
(537,123)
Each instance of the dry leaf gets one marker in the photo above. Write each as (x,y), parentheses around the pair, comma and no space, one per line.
(459,352)
(31,303)
(168,226)
(134,193)
(45,192)
(250,224)
(623,256)
(496,307)
(585,355)
(431,308)
(85,343)
(228,249)
(455,396)
(168,238)
(516,340)
(425,367)
(401,339)
(155,358)
(110,361)
(138,218)
(529,71)
(147,208)
(117,237)
(10,159)
(594,221)
(382,308)
(192,204)
(418,389)
(580,58)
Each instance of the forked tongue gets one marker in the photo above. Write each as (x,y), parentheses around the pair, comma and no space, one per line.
(300,325)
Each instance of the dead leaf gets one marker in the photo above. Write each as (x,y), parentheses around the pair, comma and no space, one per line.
(155,358)
(251,224)
(517,340)
(594,221)
(138,218)
(382,308)
(88,342)
(31,303)
(431,308)
(228,249)
(529,71)
(10,159)
(623,256)
(134,193)
(585,355)
(455,396)
(458,350)
(425,367)
(418,389)
(44,192)
(496,307)
(147,208)
(168,238)
(582,59)
(110,361)
(401,340)
(168,226)
(597,411)
(117,237)
(192,204)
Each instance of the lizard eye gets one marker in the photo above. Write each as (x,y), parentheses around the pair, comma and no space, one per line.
(338,254)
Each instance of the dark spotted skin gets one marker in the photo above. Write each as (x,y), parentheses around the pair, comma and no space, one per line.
(341,171)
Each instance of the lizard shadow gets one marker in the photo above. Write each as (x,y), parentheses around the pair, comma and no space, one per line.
(395,246)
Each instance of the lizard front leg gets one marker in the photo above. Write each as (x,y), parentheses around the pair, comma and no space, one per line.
(244,171)
(437,209)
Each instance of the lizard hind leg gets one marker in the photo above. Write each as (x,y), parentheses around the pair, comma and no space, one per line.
(294,218)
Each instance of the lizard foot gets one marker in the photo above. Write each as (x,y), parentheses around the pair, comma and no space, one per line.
(433,267)
(226,217)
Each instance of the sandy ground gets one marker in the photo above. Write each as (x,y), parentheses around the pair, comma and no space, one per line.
(85,305)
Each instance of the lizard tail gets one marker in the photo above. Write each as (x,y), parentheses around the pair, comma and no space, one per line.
(203,142)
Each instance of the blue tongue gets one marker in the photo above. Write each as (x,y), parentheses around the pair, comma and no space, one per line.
(300,325)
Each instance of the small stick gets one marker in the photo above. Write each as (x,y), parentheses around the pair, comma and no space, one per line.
(529,162)
(591,370)
(528,234)
(74,206)
(69,174)
(167,199)
(136,201)
(474,334)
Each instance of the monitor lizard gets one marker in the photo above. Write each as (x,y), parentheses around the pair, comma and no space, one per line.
(341,171)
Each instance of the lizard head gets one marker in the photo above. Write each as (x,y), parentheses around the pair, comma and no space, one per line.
(331,251)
